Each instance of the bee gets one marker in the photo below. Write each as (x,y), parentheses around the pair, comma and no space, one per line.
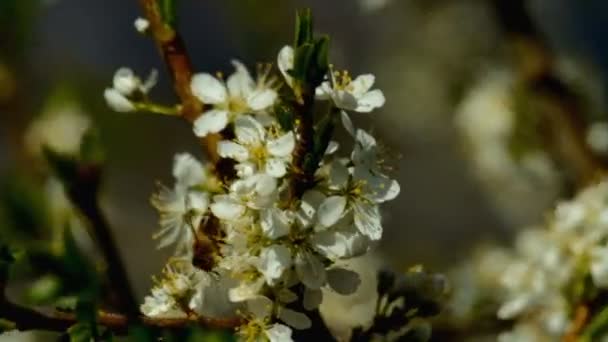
(208,238)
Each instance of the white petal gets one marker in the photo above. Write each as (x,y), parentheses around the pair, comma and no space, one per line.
(213,121)
(362,84)
(261,99)
(365,140)
(286,296)
(240,84)
(245,169)
(117,101)
(312,299)
(150,81)
(226,208)
(311,200)
(332,147)
(197,201)
(230,149)
(347,123)
(188,171)
(274,260)
(274,223)
(331,210)
(310,269)
(343,281)
(323,91)
(246,291)
(208,89)
(260,307)
(125,81)
(295,319)
(599,266)
(367,220)
(279,333)
(345,100)
(276,167)
(370,101)
(265,184)
(338,176)
(285,62)
(379,188)
(248,130)
(340,244)
(283,146)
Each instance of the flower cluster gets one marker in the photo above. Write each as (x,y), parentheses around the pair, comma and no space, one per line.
(511,168)
(556,272)
(243,243)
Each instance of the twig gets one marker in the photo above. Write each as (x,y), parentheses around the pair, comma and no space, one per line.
(178,63)
(29,319)
(302,179)
(558,104)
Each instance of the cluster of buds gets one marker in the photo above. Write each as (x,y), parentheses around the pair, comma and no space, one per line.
(259,236)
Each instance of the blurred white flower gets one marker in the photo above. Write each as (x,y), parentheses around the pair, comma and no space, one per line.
(141,25)
(61,129)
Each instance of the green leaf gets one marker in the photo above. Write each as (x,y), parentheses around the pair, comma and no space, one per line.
(168,11)
(303,28)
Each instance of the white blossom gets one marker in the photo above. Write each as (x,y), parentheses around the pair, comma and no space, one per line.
(240,94)
(355,95)
(126,85)
(182,208)
(254,149)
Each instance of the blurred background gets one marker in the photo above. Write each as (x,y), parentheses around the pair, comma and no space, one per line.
(447,69)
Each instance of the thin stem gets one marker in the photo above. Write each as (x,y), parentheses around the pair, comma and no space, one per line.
(29,319)
(159,109)
(178,63)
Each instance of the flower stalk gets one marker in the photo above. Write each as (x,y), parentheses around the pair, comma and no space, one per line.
(177,60)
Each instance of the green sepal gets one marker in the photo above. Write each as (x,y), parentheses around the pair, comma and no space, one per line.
(304,28)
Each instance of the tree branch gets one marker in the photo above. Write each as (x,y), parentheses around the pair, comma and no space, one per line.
(558,105)
(302,178)
(29,319)
(175,55)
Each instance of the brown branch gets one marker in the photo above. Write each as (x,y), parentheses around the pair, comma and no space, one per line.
(30,319)
(175,55)
(301,178)
(558,105)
